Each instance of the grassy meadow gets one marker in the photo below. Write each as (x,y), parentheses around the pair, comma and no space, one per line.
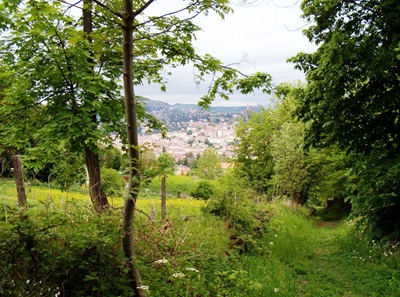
(58,246)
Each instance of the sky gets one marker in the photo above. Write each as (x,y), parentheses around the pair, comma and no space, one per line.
(265,34)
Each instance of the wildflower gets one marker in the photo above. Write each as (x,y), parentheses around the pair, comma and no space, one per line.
(178,275)
(192,269)
(27,281)
(276,235)
(276,290)
(144,288)
(271,243)
(161,261)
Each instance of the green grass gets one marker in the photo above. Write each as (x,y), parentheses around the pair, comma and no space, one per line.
(300,256)
(320,259)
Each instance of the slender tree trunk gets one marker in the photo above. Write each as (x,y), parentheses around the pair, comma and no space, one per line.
(97,195)
(163,198)
(19,180)
(99,199)
(133,150)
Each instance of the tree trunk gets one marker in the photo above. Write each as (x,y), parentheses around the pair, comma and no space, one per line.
(163,198)
(19,180)
(97,195)
(99,199)
(133,150)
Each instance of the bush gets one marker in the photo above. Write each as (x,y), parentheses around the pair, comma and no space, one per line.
(49,253)
(235,202)
(112,183)
(203,190)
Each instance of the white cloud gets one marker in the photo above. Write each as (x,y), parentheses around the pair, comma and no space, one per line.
(266,34)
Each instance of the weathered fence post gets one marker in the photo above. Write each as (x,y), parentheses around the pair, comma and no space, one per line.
(19,180)
(163,199)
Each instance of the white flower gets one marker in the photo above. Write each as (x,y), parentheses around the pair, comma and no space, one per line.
(276,235)
(27,281)
(192,269)
(178,275)
(276,290)
(271,243)
(144,288)
(161,261)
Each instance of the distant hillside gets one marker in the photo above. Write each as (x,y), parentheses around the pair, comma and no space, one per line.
(152,105)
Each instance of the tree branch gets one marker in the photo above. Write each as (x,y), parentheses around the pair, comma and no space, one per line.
(167,14)
(143,8)
(108,8)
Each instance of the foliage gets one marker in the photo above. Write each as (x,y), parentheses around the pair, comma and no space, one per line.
(376,200)
(111,158)
(331,175)
(235,202)
(46,253)
(203,190)
(113,183)
(254,154)
(165,164)
(290,172)
(76,252)
(208,165)
(353,95)
(147,165)
(352,98)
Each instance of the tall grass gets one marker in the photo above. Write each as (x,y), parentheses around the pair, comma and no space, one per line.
(189,254)
(307,258)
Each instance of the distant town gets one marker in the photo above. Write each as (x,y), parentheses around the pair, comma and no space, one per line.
(191,129)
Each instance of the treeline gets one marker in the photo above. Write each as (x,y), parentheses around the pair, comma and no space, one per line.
(338,136)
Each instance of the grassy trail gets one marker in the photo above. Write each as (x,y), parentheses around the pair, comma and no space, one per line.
(321,259)
(334,270)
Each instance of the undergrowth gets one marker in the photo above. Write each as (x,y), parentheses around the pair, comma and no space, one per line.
(314,258)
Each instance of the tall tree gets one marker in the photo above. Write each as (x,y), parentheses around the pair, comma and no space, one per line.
(353,97)
(209,164)
(290,172)
(254,157)
(97,194)
(47,50)
(50,63)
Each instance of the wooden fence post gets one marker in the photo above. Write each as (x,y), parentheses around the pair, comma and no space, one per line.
(19,180)
(163,199)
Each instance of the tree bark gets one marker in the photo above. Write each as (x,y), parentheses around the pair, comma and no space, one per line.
(19,180)
(163,198)
(97,195)
(133,150)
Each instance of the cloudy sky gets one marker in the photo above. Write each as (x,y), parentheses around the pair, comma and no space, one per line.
(266,33)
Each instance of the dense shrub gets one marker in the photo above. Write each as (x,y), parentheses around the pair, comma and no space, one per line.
(112,182)
(203,190)
(51,253)
(236,203)
(72,251)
